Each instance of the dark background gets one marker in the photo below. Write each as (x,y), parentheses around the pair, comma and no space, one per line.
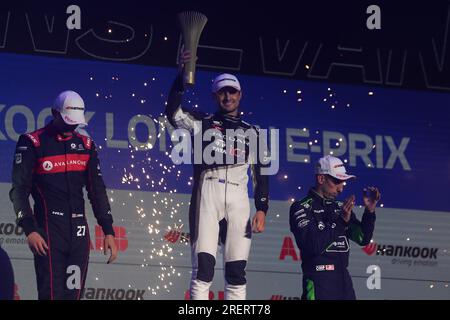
(406,25)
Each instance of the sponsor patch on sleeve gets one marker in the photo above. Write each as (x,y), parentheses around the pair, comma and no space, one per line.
(301,216)
(18,158)
(303,223)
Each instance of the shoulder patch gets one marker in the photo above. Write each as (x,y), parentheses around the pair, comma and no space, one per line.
(306,202)
(250,125)
(86,140)
(300,212)
(245,123)
(34,137)
(198,114)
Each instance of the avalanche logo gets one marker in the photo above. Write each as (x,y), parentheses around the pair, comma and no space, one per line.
(47,165)
(370,248)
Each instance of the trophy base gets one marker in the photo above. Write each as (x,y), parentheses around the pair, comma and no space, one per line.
(189,78)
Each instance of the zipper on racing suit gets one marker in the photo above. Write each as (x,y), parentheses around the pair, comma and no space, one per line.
(68,188)
(226,185)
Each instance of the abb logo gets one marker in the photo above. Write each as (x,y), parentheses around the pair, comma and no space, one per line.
(16,292)
(220,295)
(120,238)
(174,236)
(288,249)
(370,248)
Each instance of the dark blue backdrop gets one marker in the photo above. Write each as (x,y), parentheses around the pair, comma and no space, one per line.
(268,102)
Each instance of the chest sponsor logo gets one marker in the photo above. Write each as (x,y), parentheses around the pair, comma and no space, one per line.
(321,225)
(339,246)
(47,165)
(62,163)
(325,267)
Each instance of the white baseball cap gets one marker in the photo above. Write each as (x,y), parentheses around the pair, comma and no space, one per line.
(225,80)
(332,166)
(71,106)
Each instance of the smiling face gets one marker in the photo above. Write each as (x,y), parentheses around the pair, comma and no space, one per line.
(228,99)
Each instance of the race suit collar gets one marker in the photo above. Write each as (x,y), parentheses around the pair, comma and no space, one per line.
(228,117)
(51,128)
(314,194)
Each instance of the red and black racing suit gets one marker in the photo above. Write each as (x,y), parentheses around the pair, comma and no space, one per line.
(54,169)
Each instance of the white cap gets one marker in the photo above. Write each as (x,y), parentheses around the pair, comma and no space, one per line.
(332,166)
(225,80)
(71,106)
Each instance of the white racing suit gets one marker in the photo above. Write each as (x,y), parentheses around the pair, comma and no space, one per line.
(220,207)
